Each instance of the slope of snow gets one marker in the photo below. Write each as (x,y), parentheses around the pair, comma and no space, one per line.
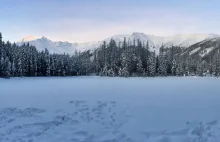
(194,50)
(53,47)
(87,46)
(206,51)
(212,39)
(29,38)
(102,109)
(185,40)
(118,38)
(58,46)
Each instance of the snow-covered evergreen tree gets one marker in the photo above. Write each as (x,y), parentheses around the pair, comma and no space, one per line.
(13,69)
(152,64)
(162,62)
(19,71)
(47,62)
(140,69)
(7,68)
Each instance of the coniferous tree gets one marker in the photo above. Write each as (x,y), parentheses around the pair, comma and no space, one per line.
(6,68)
(152,64)
(162,62)
(140,69)
(13,69)
(19,68)
(47,62)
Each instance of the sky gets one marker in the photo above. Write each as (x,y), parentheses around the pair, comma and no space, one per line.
(94,20)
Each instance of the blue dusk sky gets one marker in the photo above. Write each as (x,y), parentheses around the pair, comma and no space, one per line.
(93,20)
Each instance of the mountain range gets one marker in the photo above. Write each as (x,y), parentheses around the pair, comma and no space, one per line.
(155,42)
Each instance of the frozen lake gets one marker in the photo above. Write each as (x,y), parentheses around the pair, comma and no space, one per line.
(103,109)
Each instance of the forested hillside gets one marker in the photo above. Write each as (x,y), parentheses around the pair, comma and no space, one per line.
(127,58)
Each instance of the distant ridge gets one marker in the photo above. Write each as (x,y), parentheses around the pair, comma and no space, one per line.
(155,42)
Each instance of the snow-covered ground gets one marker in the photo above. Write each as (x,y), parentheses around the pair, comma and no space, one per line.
(101,109)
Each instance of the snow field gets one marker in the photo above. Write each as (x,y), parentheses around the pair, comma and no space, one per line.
(102,109)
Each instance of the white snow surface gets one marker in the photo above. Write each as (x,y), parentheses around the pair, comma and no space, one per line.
(102,109)
(206,51)
(54,47)
(29,38)
(155,42)
(194,50)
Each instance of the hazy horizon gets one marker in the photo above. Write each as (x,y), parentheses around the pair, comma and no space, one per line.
(128,34)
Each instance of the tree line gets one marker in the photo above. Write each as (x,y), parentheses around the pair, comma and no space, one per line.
(125,59)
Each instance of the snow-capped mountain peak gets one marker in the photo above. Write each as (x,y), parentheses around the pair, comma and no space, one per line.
(30,38)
